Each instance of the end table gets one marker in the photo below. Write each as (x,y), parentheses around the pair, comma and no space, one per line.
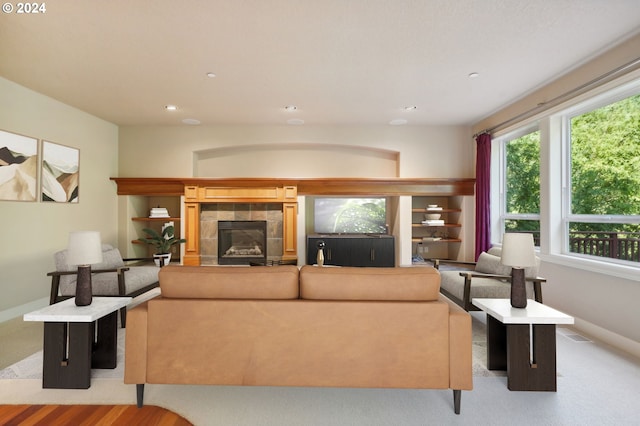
(523,342)
(78,338)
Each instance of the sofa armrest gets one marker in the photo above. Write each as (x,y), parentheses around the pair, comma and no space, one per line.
(438,262)
(55,280)
(468,276)
(135,348)
(460,347)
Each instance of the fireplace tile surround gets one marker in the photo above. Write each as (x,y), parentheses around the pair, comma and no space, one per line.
(211,213)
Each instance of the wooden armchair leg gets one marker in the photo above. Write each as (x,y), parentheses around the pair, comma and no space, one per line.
(123,317)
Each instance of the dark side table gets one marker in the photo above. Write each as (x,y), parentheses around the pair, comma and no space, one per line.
(523,342)
(77,339)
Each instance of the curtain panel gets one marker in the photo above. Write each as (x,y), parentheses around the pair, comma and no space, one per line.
(483,193)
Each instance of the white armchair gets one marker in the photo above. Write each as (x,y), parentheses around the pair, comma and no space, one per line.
(486,278)
(109,278)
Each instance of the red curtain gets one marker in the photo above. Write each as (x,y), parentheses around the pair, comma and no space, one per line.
(483,193)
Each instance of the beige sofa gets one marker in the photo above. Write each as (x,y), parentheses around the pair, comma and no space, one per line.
(281,326)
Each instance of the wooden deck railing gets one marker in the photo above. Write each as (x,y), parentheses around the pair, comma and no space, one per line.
(615,245)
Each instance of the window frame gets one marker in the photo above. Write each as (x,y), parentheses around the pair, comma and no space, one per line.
(503,215)
(591,104)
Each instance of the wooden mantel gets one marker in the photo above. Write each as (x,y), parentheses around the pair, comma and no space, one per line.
(197,191)
(306,186)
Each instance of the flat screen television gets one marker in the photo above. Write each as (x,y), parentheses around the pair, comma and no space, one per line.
(349,215)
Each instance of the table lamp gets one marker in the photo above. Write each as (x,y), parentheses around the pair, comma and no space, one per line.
(518,252)
(84,249)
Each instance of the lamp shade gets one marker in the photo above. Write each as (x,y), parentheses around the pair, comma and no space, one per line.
(518,250)
(85,248)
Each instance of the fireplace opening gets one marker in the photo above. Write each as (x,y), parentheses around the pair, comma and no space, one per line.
(241,242)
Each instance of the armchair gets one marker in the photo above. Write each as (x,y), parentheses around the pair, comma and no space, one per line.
(109,278)
(485,278)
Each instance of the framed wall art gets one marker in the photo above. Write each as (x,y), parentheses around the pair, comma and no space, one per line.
(18,167)
(60,173)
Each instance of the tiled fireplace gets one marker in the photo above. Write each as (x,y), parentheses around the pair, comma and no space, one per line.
(217,238)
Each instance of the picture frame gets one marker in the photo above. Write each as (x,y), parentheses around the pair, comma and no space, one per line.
(18,167)
(60,177)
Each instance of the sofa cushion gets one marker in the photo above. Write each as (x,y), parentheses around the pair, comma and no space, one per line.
(384,284)
(229,282)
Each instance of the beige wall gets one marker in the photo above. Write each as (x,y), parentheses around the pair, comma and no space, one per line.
(421,151)
(601,301)
(33,231)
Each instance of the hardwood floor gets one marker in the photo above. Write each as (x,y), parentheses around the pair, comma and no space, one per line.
(89,415)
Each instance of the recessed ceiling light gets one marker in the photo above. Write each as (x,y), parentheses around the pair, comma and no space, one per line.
(211,74)
(290,108)
(410,108)
(474,75)
(191,121)
(398,122)
(295,121)
(170,107)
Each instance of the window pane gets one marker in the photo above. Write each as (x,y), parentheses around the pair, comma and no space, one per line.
(530,226)
(523,174)
(610,240)
(605,159)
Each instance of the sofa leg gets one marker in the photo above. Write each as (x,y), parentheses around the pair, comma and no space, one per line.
(457,393)
(140,394)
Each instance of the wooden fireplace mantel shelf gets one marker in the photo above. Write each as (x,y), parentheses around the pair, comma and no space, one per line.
(305,186)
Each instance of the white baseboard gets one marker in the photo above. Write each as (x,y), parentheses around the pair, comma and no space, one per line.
(623,343)
(18,311)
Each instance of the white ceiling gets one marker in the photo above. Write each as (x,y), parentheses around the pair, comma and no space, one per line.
(339,61)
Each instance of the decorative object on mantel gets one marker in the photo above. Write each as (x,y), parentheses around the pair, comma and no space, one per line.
(84,249)
(162,241)
(320,256)
(518,251)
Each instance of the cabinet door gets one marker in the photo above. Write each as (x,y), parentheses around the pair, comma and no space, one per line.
(336,251)
(373,252)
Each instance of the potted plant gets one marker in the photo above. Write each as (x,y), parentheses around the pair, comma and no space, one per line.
(162,241)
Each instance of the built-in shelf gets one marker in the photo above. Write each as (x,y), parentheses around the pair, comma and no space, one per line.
(436,240)
(155,219)
(443,240)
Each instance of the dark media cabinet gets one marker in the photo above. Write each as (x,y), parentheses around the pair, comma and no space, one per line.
(353,249)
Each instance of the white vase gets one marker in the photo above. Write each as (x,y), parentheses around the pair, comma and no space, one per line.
(320,257)
(166,258)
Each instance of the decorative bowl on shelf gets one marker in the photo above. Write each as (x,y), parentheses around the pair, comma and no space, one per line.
(432,216)
(432,206)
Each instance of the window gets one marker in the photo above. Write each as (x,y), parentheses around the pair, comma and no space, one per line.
(520,195)
(602,198)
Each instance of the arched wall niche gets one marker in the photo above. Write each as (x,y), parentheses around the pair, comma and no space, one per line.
(296,161)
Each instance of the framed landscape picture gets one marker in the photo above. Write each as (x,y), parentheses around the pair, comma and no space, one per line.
(60,173)
(18,167)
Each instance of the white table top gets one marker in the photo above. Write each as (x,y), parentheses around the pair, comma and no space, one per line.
(534,313)
(67,311)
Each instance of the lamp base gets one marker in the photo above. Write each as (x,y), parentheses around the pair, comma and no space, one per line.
(83,286)
(518,288)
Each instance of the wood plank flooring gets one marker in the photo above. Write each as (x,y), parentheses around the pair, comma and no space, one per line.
(88,415)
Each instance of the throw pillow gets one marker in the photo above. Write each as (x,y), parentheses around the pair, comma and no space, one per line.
(490,264)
